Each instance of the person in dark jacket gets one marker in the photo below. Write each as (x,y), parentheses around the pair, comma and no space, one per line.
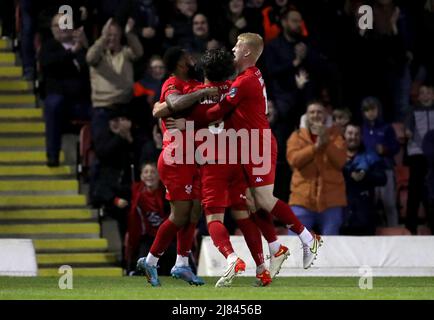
(67,86)
(419,122)
(428,149)
(111,186)
(380,137)
(363,172)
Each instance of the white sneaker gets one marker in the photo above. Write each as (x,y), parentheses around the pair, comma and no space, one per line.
(310,251)
(235,268)
(277,259)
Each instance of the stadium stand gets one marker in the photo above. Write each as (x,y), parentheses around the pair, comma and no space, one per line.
(36,201)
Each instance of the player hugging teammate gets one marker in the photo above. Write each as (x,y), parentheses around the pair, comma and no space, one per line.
(218,182)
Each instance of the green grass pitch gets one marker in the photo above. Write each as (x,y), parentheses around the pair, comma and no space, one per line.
(288,288)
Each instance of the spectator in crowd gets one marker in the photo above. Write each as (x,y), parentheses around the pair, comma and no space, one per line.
(111,71)
(341,118)
(201,36)
(147,92)
(289,62)
(428,149)
(379,136)
(7,19)
(363,172)
(66,79)
(179,29)
(317,155)
(290,65)
(238,19)
(419,122)
(147,211)
(28,28)
(149,26)
(112,181)
(119,10)
(150,85)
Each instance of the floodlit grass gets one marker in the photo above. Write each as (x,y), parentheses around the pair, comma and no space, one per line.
(281,289)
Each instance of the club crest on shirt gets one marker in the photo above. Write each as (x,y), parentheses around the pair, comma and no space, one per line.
(171,87)
(188,188)
(233,92)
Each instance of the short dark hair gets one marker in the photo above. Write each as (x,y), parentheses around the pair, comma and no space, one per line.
(217,65)
(172,57)
(286,11)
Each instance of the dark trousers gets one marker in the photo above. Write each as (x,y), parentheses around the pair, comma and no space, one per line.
(28,26)
(59,109)
(417,191)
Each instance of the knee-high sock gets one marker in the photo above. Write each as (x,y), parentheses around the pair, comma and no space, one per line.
(283,212)
(220,236)
(264,221)
(185,237)
(253,239)
(165,234)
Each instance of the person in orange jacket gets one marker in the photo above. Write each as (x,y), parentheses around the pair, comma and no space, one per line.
(317,154)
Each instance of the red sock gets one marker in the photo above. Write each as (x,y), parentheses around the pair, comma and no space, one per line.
(253,239)
(264,221)
(283,212)
(220,236)
(165,234)
(185,237)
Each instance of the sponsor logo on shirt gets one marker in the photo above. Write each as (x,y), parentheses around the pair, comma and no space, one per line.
(233,92)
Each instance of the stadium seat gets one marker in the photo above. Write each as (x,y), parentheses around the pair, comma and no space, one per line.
(86,154)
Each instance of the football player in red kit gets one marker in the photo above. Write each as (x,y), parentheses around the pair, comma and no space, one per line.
(247,104)
(180,179)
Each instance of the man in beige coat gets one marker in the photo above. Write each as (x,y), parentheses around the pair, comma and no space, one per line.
(317,155)
(111,71)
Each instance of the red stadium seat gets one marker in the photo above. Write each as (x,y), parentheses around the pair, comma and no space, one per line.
(86,154)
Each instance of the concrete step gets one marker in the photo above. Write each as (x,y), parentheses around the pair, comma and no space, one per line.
(70,245)
(11,99)
(28,157)
(8,58)
(11,71)
(22,142)
(42,201)
(41,185)
(34,171)
(62,230)
(44,259)
(16,85)
(36,215)
(21,114)
(82,272)
(22,127)
(5,44)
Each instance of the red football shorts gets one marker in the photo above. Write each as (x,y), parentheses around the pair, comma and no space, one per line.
(266,169)
(182,181)
(223,185)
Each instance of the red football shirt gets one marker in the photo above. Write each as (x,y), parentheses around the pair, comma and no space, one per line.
(175,85)
(247,98)
(198,115)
